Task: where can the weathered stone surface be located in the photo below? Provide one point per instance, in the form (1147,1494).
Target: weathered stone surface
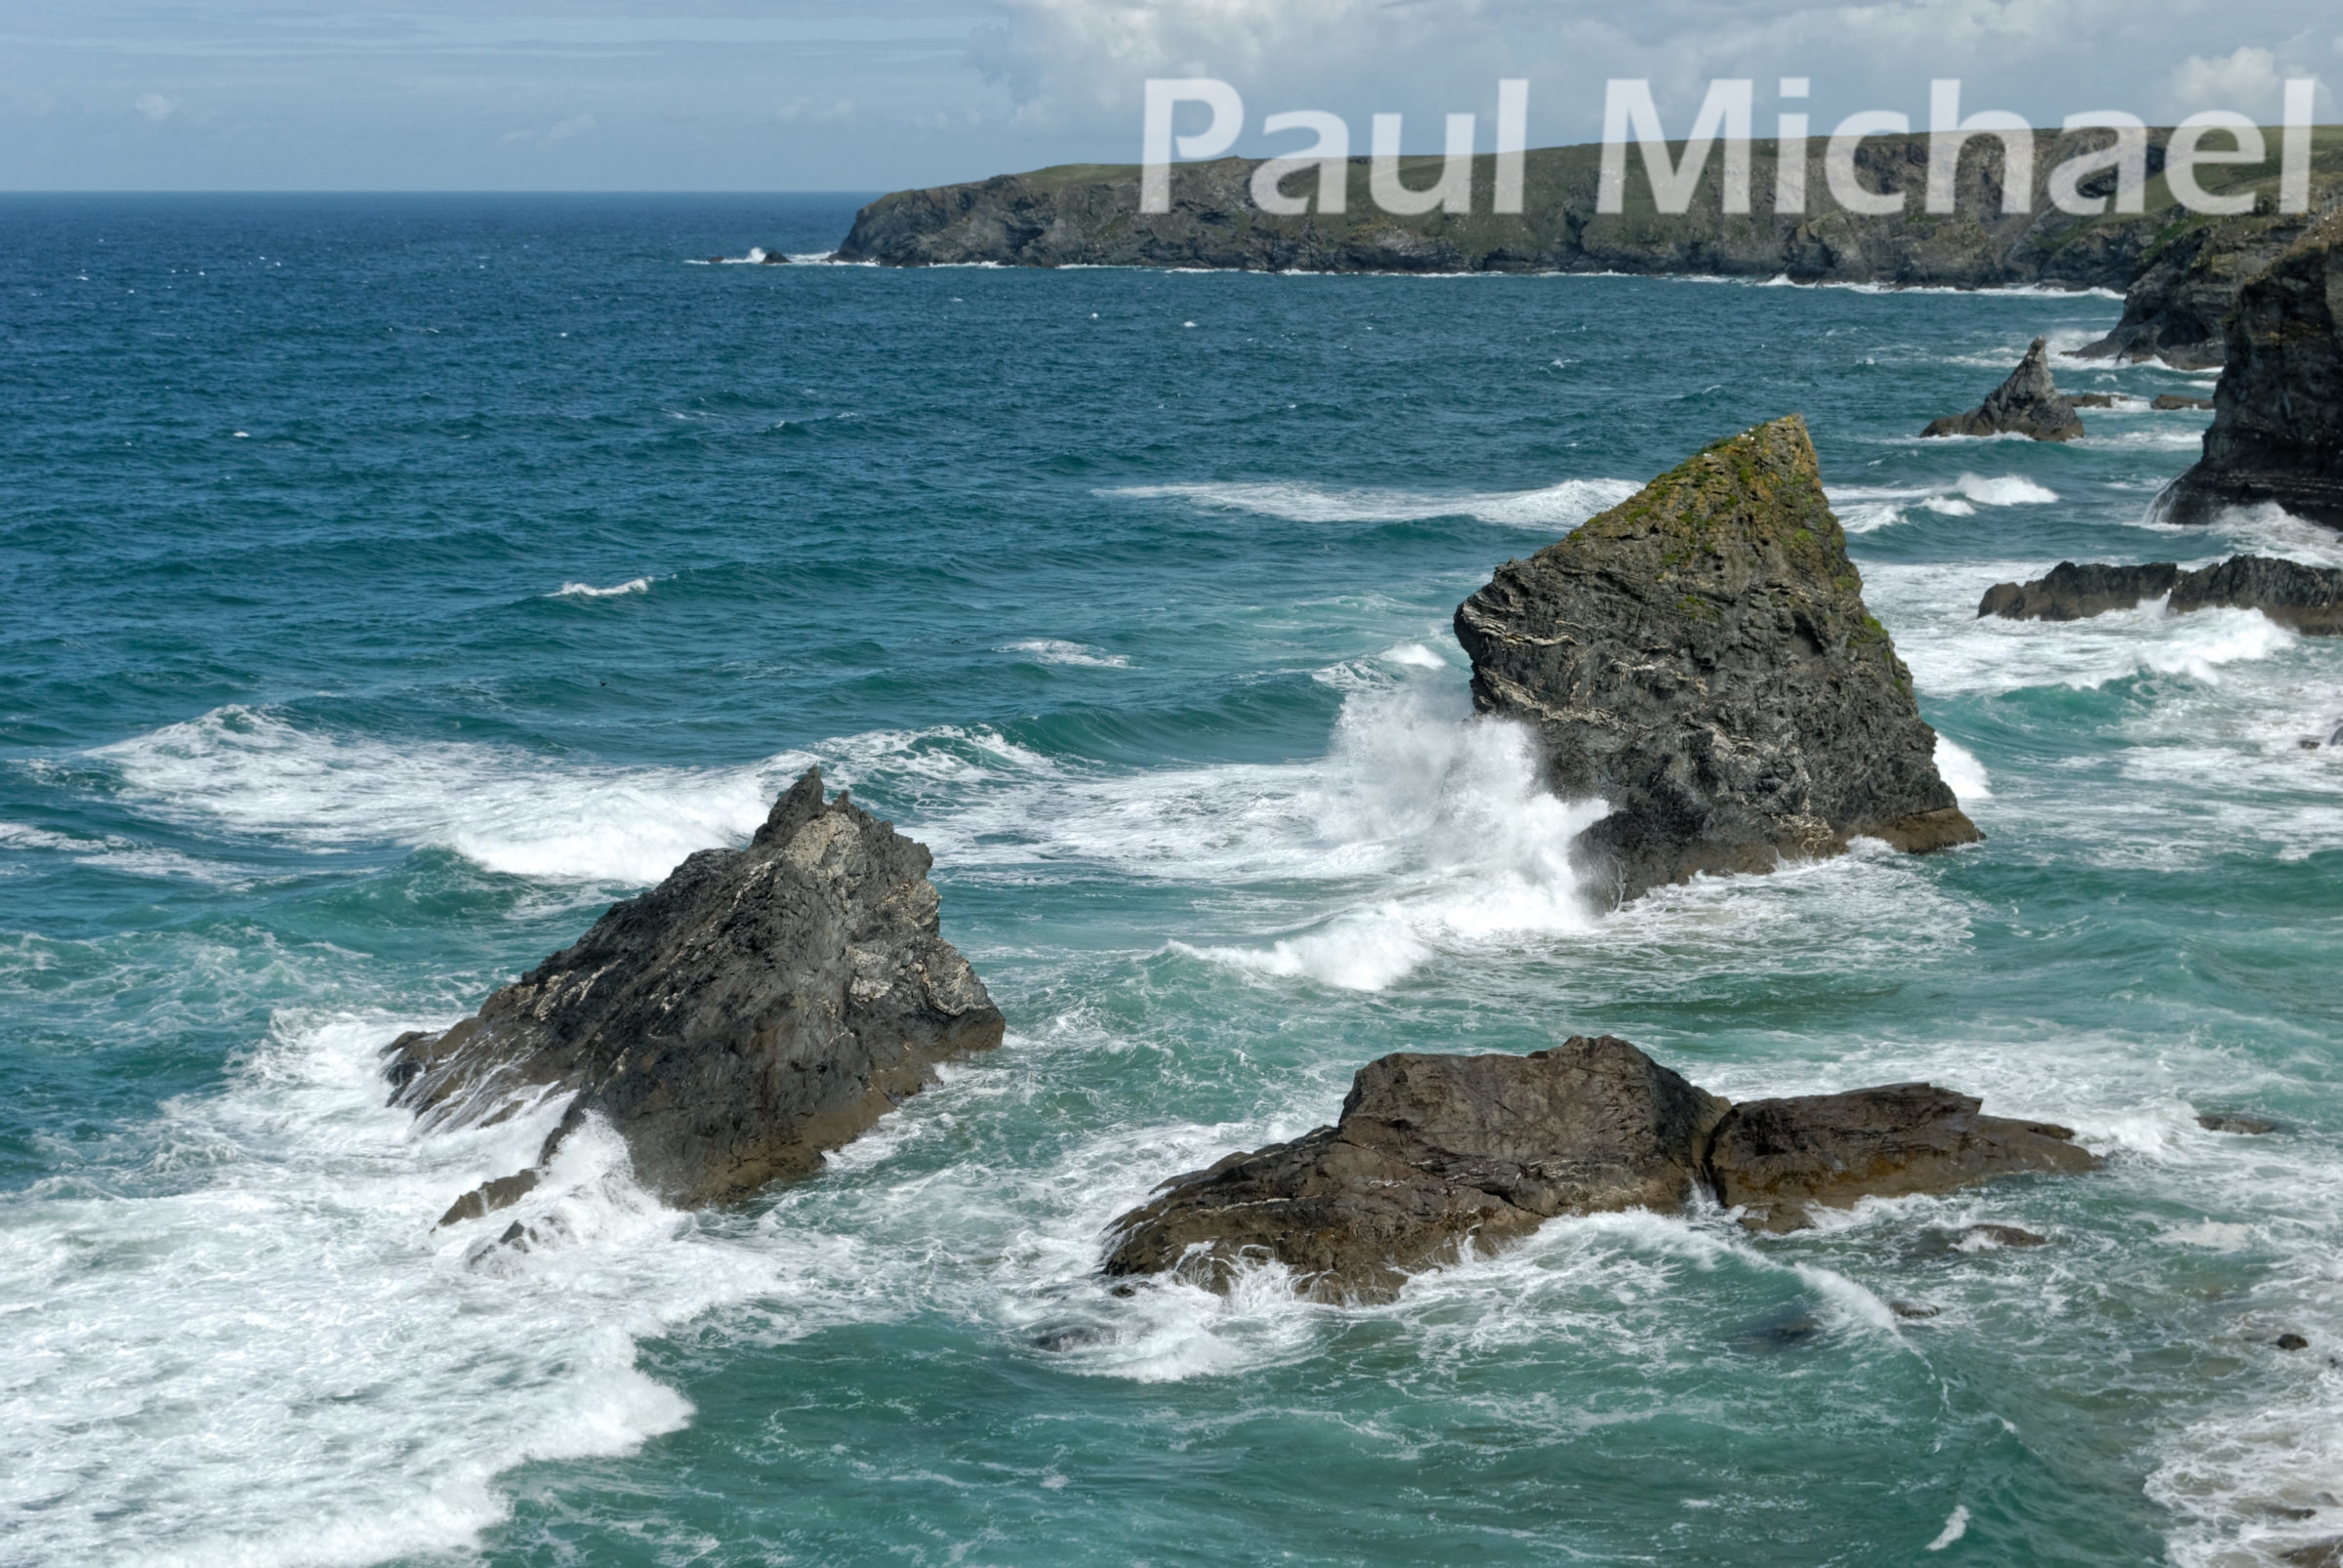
(2306,599)
(1433,1155)
(1775,1157)
(1699,657)
(2276,433)
(2074,593)
(2028,403)
(2177,306)
(758,1007)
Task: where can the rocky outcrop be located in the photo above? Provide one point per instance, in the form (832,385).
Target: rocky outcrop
(1700,658)
(1776,1159)
(2277,413)
(2177,308)
(758,1007)
(1087,214)
(2306,599)
(2028,403)
(1435,1157)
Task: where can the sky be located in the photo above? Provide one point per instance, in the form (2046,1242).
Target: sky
(873,95)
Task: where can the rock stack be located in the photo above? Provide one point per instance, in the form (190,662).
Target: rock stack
(2028,403)
(1699,657)
(2277,413)
(758,1008)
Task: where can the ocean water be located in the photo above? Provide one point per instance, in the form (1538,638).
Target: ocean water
(392,583)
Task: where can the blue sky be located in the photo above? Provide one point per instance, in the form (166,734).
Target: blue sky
(804,95)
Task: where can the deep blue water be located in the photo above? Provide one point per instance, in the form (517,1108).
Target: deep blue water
(393,582)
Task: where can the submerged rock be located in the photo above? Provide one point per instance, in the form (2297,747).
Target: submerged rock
(1699,657)
(1435,1156)
(2277,412)
(758,1008)
(2028,403)
(2307,599)
(2223,1122)
(1775,1157)
(2167,402)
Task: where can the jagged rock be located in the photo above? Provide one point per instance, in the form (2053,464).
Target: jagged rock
(2168,402)
(2276,433)
(1776,1158)
(1434,1156)
(2176,308)
(2074,593)
(1699,657)
(2307,599)
(758,1007)
(2028,403)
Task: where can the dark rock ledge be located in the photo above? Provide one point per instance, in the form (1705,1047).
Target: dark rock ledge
(2028,403)
(2307,599)
(1437,1156)
(760,1007)
(1699,657)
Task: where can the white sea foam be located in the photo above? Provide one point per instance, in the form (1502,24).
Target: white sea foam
(263,1353)
(1863,509)
(1959,768)
(1556,508)
(1049,650)
(639,584)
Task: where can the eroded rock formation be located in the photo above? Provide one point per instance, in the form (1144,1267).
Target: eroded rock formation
(1437,1156)
(2277,413)
(2028,403)
(1699,657)
(758,1007)
(2306,599)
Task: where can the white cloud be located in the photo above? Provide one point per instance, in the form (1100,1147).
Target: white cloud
(2244,79)
(569,130)
(156,107)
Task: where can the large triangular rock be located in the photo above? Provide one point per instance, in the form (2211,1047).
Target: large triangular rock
(1700,658)
(758,1007)
(2278,414)
(2028,403)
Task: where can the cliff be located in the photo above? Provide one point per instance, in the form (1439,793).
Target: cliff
(2188,265)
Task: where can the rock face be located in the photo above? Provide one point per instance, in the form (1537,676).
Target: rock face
(1775,1157)
(1700,658)
(2028,403)
(758,1007)
(2176,310)
(2277,413)
(2306,599)
(1435,1156)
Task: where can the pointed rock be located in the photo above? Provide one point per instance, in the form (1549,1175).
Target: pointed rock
(758,1007)
(1700,658)
(2028,403)
(2277,413)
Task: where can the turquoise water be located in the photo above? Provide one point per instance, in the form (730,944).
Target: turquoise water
(392,583)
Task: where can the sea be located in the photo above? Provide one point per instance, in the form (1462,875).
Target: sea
(391,583)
